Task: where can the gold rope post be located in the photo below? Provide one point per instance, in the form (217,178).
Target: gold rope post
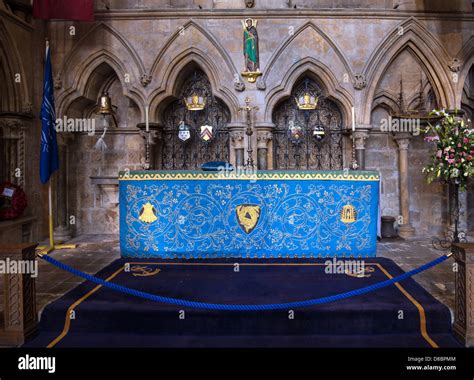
(44,250)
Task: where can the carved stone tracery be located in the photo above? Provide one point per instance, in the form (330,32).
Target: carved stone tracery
(12,141)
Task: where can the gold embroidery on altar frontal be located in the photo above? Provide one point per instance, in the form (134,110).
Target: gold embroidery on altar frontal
(127,176)
(248,217)
(348,214)
(148,214)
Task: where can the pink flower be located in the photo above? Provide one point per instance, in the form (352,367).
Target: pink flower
(469,158)
(439,153)
(450,161)
(466,140)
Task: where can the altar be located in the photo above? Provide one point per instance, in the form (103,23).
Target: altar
(270,214)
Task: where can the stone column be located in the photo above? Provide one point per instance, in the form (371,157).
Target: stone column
(405,229)
(264,137)
(360,137)
(237,144)
(155,136)
(20,318)
(62,230)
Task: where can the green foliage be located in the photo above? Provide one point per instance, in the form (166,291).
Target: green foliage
(453,160)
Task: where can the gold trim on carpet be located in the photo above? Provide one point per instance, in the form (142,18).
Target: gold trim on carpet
(67,323)
(421,310)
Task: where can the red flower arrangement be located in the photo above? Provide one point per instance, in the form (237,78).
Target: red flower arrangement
(13,201)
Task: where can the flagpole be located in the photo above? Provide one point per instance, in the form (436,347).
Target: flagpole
(44,250)
(51,224)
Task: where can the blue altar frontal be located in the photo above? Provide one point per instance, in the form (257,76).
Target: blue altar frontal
(270,214)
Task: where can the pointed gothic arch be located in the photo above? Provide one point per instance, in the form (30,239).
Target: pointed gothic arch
(311,67)
(17,94)
(81,83)
(298,34)
(466,56)
(80,63)
(172,74)
(427,50)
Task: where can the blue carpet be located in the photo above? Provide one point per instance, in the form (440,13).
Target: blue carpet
(110,319)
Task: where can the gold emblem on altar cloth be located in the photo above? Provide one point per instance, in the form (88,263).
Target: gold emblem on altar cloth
(248,217)
(348,214)
(148,214)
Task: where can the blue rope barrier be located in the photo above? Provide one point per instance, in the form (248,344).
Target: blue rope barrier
(213,306)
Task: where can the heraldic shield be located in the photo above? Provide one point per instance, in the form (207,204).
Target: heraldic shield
(248,217)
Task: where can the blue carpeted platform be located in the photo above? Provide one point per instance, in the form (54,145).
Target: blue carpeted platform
(105,318)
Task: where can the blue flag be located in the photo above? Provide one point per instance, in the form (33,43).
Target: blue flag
(49,159)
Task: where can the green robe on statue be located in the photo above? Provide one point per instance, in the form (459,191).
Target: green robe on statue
(251,49)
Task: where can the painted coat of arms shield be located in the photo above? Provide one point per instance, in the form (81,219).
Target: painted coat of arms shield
(295,132)
(206,133)
(248,217)
(184,133)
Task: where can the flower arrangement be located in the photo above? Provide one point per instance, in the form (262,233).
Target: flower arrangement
(453,161)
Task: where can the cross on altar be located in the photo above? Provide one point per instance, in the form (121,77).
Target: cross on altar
(249,132)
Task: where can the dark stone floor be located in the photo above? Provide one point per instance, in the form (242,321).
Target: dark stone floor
(97,251)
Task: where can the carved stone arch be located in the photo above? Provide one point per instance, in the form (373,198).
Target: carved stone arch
(426,49)
(466,56)
(171,75)
(176,153)
(312,139)
(187,28)
(309,66)
(270,71)
(17,93)
(81,83)
(128,53)
(386,100)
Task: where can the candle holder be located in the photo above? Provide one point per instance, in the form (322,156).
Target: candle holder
(354,164)
(249,132)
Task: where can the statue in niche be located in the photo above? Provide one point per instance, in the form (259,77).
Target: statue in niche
(251,52)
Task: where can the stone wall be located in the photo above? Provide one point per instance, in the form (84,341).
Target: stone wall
(20,93)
